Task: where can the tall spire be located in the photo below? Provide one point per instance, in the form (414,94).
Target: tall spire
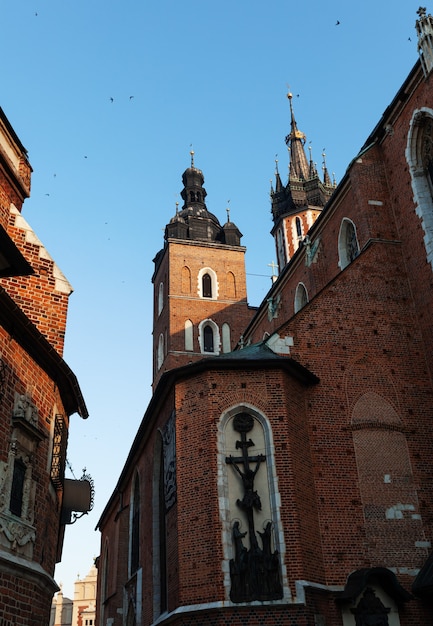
(295,141)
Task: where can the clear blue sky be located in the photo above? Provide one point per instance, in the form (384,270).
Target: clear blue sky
(211,74)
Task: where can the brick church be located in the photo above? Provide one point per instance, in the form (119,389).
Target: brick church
(282,473)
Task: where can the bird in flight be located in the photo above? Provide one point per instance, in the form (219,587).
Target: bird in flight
(338,22)
(111,99)
(130,97)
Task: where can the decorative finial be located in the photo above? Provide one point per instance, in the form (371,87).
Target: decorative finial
(276,164)
(422,11)
(177,208)
(192,157)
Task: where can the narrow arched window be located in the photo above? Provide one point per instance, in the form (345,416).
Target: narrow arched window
(206,286)
(160,297)
(208,339)
(301,297)
(189,345)
(226,337)
(135,528)
(348,247)
(160,350)
(298,227)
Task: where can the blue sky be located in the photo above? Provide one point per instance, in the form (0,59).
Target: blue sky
(108,96)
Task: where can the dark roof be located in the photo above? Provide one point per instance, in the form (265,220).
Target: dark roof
(423,583)
(385,578)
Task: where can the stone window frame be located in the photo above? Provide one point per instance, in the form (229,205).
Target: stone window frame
(347,251)
(223,491)
(214,283)
(216,336)
(422,184)
(301,297)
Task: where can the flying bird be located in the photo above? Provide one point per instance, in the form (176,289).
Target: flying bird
(338,22)
(111,99)
(130,97)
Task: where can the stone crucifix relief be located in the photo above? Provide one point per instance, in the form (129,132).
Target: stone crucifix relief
(254,571)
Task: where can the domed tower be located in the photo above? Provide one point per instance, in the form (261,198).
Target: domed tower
(200,299)
(296,206)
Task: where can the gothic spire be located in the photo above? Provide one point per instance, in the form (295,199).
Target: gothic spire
(295,141)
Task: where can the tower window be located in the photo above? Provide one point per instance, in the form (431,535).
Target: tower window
(298,227)
(208,339)
(207,286)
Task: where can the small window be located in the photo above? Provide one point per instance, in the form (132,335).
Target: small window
(208,339)
(207,286)
(160,350)
(298,227)
(348,247)
(17,490)
(301,297)
(160,298)
(135,528)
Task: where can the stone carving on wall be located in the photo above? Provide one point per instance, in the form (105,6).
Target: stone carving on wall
(370,610)
(254,571)
(169,452)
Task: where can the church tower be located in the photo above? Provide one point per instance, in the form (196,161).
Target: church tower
(200,298)
(296,206)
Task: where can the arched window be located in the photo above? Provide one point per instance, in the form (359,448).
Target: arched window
(301,297)
(281,249)
(134,543)
(186,279)
(159,532)
(226,337)
(231,285)
(419,155)
(206,286)
(208,340)
(160,350)
(348,246)
(189,343)
(209,337)
(207,283)
(298,227)
(160,298)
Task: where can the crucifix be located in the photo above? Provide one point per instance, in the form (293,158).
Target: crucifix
(243,423)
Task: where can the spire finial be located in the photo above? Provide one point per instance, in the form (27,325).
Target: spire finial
(177,208)
(228,211)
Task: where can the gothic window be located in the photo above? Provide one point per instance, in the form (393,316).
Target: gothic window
(17,489)
(160,350)
(135,528)
(207,286)
(208,340)
(231,285)
(301,297)
(209,337)
(189,345)
(186,279)
(298,228)
(348,246)
(419,155)
(207,283)
(281,251)
(160,298)
(226,337)
(159,532)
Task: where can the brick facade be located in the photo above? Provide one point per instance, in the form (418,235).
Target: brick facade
(290,481)
(38,394)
